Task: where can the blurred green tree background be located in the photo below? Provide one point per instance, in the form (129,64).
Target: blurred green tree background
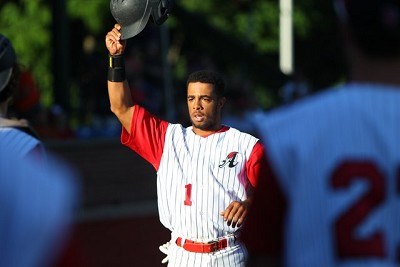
(241,35)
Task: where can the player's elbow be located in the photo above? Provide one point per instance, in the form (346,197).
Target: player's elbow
(119,111)
(124,115)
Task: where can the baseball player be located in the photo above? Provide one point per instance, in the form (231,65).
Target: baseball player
(205,172)
(333,194)
(16,134)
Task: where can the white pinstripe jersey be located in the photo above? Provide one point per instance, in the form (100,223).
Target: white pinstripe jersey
(19,142)
(337,160)
(199,177)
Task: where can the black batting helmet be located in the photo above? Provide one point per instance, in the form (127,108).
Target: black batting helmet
(133,15)
(7,61)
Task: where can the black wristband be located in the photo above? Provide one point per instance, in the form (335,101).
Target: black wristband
(116,69)
(116,75)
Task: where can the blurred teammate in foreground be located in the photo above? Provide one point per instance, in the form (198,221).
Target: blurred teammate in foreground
(334,198)
(19,137)
(37,206)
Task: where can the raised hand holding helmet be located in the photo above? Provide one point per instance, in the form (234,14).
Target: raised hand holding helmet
(133,15)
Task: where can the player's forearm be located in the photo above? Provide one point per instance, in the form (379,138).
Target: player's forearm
(121,102)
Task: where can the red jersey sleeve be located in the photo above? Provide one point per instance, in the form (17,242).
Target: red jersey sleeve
(255,166)
(147,136)
(263,229)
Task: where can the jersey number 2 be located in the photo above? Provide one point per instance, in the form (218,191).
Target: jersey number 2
(348,245)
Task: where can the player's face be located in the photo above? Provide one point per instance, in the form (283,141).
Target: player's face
(204,107)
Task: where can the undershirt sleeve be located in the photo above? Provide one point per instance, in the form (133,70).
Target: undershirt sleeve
(147,136)
(255,166)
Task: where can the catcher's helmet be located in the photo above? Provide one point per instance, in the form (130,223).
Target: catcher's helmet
(133,15)
(7,61)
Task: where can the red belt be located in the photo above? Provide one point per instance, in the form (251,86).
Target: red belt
(199,247)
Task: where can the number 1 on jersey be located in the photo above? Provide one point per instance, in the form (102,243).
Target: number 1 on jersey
(188,195)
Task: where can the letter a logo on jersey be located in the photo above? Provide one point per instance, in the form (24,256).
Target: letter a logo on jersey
(231,159)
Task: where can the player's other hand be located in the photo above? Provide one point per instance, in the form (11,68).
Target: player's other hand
(114,44)
(236,212)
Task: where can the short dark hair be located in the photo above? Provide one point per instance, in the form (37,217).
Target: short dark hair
(375,25)
(211,77)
